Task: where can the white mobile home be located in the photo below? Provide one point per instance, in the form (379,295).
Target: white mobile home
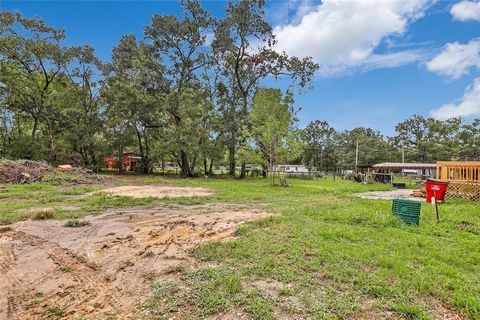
(291,168)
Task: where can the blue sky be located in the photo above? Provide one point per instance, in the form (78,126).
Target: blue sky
(381,60)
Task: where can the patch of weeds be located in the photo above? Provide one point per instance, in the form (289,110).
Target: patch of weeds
(285,291)
(212,251)
(77,191)
(178,268)
(148,254)
(359,220)
(43,215)
(164,301)
(259,307)
(379,291)
(111,315)
(53,312)
(409,311)
(150,276)
(36,299)
(75,223)
(5,221)
(329,302)
(214,290)
(5,229)
(66,269)
(125,264)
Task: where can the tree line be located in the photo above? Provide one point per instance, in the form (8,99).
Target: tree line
(190,91)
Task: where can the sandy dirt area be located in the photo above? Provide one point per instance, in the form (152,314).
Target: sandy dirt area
(158,191)
(103,267)
(389,195)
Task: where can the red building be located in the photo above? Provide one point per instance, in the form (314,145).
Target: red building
(130,161)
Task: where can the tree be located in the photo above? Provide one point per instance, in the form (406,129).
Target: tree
(273,120)
(180,42)
(244,46)
(318,136)
(372,147)
(130,91)
(428,139)
(468,139)
(32,57)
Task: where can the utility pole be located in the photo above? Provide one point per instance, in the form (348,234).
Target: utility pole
(403,154)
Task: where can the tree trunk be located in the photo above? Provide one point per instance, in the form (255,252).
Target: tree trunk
(210,170)
(34,129)
(121,169)
(231,156)
(243,171)
(193,164)
(184,165)
(93,158)
(51,143)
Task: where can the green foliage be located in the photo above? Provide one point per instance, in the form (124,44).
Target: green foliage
(43,214)
(273,120)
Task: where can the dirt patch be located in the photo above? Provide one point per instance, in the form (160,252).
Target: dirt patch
(158,191)
(389,195)
(106,266)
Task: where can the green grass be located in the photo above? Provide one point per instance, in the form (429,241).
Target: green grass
(325,254)
(58,199)
(333,254)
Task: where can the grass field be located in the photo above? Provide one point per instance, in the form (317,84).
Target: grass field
(325,254)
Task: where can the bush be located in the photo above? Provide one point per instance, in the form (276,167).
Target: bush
(43,215)
(75,223)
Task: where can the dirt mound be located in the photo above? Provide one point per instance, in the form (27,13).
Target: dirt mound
(23,171)
(107,266)
(158,191)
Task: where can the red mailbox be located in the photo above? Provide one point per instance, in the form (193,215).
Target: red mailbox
(436,189)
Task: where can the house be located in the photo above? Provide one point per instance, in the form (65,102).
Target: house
(130,161)
(423,169)
(291,168)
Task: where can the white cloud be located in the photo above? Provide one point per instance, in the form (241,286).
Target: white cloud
(375,61)
(343,34)
(466,10)
(456,59)
(468,106)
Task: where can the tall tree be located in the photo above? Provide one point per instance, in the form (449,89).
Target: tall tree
(318,136)
(181,43)
(32,57)
(427,139)
(372,147)
(273,118)
(244,46)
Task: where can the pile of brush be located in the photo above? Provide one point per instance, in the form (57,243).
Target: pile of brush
(23,171)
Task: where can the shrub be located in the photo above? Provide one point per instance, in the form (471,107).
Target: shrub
(75,223)
(43,215)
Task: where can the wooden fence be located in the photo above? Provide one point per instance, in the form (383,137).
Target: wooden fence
(466,190)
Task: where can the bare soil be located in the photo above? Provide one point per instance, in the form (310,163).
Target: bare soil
(389,195)
(107,266)
(158,191)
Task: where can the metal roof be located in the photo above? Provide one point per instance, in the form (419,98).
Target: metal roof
(400,165)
